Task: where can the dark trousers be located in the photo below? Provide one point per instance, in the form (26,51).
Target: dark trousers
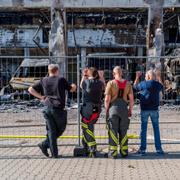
(56,120)
(118,124)
(88,140)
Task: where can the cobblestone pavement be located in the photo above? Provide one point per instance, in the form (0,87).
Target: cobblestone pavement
(22,163)
(30,164)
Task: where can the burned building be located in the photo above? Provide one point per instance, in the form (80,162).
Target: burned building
(128,28)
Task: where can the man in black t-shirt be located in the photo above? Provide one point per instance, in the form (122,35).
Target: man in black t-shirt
(51,91)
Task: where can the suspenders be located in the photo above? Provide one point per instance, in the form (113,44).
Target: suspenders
(121,88)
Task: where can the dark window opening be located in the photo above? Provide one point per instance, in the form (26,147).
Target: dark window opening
(26,72)
(174,35)
(46,35)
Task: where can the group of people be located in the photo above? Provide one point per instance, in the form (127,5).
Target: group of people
(118,102)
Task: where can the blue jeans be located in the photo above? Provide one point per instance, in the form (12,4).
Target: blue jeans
(154,115)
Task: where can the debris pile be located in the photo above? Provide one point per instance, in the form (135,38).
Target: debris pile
(20,106)
(170,107)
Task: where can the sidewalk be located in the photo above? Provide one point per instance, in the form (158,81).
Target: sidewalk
(30,164)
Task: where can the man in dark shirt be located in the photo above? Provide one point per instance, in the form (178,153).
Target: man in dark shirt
(149,102)
(51,91)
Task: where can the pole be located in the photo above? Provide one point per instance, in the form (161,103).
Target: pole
(148,34)
(78,100)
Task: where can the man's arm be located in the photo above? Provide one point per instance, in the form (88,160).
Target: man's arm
(138,75)
(35,93)
(82,80)
(69,87)
(73,88)
(84,77)
(159,79)
(107,101)
(158,76)
(131,102)
(102,79)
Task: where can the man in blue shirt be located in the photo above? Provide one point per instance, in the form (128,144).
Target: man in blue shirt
(149,102)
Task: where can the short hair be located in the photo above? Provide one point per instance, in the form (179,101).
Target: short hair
(94,72)
(53,68)
(117,69)
(152,74)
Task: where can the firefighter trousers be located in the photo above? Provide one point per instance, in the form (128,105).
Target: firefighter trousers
(118,124)
(88,140)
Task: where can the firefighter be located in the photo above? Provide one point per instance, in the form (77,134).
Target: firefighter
(92,88)
(117,93)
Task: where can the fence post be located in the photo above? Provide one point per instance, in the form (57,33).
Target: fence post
(78,100)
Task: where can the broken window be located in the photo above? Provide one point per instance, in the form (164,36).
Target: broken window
(27,72)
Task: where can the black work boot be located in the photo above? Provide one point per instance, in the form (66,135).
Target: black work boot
(111,155)
(92,154)
(85,148)
(124,154)
(43,149)
(55,156)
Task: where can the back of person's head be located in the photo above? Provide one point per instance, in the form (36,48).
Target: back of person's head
(93,72)
(117,70)
(150,75)
(53,69)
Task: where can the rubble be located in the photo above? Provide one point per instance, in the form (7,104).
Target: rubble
(170,107)
(20,106)
(16,106)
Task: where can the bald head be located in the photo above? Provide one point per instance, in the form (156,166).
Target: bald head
(150,75)
(53,69)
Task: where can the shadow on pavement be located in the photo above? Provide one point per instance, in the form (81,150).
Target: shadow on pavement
(153,155)
(132,156)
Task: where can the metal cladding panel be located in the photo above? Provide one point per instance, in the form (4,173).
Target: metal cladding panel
(112,3)
(84,3)
(100,3)
(25,3)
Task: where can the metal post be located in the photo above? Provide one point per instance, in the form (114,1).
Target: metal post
(148,39)
(78,100)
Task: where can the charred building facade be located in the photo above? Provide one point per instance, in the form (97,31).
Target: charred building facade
(24,27)
(132,28)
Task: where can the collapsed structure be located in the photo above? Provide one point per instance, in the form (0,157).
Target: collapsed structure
(118,27)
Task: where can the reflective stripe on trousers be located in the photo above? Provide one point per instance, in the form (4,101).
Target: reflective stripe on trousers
(114,140)
(88,136)
(118,124)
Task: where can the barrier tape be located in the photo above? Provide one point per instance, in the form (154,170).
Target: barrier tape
(130,136)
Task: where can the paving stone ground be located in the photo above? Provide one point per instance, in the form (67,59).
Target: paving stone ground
(28,163)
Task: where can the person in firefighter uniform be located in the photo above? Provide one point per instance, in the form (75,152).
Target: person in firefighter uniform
(118,92)
(92,88)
